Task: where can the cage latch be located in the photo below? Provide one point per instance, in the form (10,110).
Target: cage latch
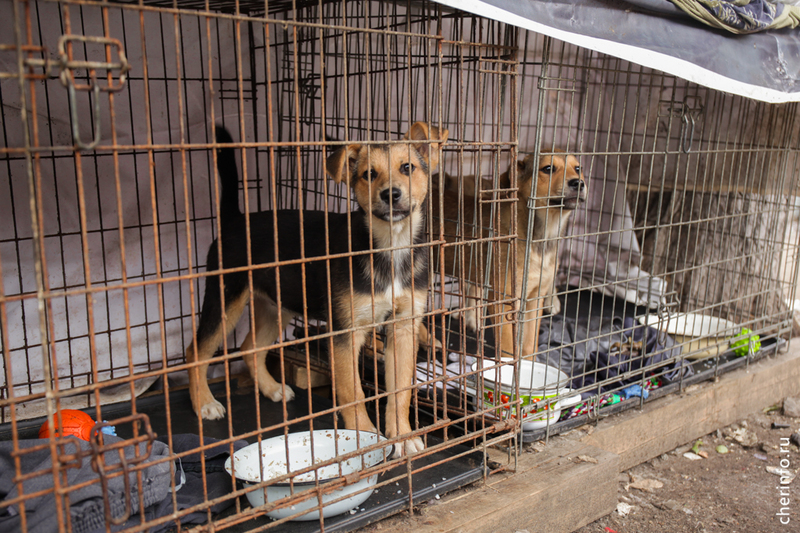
(692,109)
(665,312)
(92,84)
(107,471)
(689,112)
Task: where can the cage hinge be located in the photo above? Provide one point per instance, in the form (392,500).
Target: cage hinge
(30,62)
(116,69)
(106,471)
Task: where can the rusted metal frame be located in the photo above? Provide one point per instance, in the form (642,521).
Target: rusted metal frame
(207,146)
(605,84)
(481,256)
(97,453)
(758,282)
(772,216)
(273,189)
(795,246)
(11,396)
(366,74)
(523,291)
(10,384)
(502,272)
(663,309)
(349,202)
(189,250)
(12,401)
(211,14)
(326,228)
(249,263)
(468,254)
(711,222)
(27,151)
(118,193)
(642,94)
(726,219)
(300,205)
(45,306)
(216,199)
(582,119)
(31,63)
(785,206)
(592,124)
(159,148)
(225,345)
(622,121)
(750,112)
(686,172)
(439,51)
(428,86)
(575,93)
(437,233)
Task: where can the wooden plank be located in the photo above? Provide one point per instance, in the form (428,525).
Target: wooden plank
(638,436)
(552,491)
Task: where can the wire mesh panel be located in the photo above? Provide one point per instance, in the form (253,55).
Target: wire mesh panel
(682,261)
(129,259)
(410,238)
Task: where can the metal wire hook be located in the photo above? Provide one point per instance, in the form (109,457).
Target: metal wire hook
(686,118)
(73,110)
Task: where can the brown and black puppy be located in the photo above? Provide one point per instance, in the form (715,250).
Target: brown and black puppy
(372,277)
(556,187)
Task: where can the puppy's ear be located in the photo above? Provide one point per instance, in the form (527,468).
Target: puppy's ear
(341,163)
(421,131)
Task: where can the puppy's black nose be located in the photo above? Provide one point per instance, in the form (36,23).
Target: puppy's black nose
(576,184)
(392,195)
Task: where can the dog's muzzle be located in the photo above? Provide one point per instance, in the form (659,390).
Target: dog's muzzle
(574,194)
(392,207)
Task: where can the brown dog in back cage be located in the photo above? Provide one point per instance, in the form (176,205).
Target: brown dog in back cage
(556,187)
(365,271)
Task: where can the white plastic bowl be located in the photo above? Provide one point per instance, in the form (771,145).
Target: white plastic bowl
(327,444)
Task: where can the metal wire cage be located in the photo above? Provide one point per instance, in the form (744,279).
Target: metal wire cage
(680,232)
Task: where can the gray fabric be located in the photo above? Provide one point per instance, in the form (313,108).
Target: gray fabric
(86,504)
(764,65)
(602,230)
(195,489)
(741,16)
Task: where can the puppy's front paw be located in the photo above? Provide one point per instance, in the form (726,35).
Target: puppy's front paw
(555,305)
(213,410)
(408,447)
(281,391)
(471,320)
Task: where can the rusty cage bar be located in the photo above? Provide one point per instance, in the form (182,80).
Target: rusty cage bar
(592,234)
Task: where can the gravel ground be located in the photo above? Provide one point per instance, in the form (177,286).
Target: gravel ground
(736,492)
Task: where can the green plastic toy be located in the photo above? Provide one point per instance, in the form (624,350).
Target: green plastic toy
(744,342)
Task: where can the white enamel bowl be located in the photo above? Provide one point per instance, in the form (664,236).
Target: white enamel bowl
(538,384)
(303,452)
(701,335)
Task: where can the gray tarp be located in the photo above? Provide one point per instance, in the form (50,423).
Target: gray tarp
(764,66)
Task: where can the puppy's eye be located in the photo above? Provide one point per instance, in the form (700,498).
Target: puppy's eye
(547,169)
(406,169)
(578,169)
(370,175)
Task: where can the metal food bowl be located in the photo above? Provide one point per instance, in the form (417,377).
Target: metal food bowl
(300,451)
